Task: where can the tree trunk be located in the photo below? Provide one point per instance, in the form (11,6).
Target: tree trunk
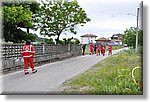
(28,30)
(57,40)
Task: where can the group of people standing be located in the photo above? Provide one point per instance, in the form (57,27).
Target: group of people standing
(98,49)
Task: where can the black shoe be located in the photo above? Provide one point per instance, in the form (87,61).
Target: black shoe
(26,73)
(34,71)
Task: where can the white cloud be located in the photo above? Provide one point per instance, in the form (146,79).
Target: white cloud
(108,16)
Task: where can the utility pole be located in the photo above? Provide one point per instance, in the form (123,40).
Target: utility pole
(136,45)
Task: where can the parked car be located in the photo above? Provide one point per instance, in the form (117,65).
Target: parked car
(125,45)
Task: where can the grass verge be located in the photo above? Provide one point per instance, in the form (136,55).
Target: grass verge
(112,76)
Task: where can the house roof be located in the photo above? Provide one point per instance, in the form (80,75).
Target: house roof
(102,39)
(117,35)
(88,35)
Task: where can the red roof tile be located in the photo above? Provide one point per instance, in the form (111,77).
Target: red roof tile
(89,35)
(102,39)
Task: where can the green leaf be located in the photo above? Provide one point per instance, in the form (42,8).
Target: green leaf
(61,16)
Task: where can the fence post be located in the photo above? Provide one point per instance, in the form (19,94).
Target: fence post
(69,48)
(43,45)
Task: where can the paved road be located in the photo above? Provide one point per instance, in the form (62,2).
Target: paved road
(49,76)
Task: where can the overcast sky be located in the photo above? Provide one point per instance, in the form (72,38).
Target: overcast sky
(108,17)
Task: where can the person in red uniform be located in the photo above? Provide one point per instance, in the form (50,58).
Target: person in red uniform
(98,50)
(110,50)
(91,49)
(103,50)
(28,56)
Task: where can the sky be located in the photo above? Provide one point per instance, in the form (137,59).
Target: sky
(108,17)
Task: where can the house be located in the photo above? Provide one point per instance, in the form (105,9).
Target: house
(103,41)
(117,39)
(88,38)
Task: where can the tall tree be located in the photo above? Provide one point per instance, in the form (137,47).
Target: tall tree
(13,16)
(18,14)
(58,16)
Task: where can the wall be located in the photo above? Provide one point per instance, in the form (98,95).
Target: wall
(87,40)
(11,53)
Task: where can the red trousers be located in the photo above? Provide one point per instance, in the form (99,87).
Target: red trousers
(98,52)
(91,51)
(27,61)
(103,52)
(110,52)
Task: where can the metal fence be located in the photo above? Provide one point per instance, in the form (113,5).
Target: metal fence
(11,53)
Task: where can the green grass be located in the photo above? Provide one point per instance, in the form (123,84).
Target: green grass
(116,47)
(113,75)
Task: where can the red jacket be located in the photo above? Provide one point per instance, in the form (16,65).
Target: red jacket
(28,51)
(110,47)
(91,46)
(98,47)
(103,47)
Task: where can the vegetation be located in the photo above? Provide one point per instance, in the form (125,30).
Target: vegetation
(71,41)
(40,40)
(52,18)
(18,14)
(110,76)
(60,16)
(64,41)
(130,37)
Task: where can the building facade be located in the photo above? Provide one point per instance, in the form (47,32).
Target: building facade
(117,39)
(103,41)
(88,38)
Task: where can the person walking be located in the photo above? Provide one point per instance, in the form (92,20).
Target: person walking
(28,52)
(110,50)
(103,50)
(98,50)
(95,47)
(91,48)
(83,49)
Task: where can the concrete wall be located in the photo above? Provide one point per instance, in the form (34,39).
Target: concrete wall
(11,54)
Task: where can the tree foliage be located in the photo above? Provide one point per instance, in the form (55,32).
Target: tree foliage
(130,37)
(15,15)
(58,16)
(71,41)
